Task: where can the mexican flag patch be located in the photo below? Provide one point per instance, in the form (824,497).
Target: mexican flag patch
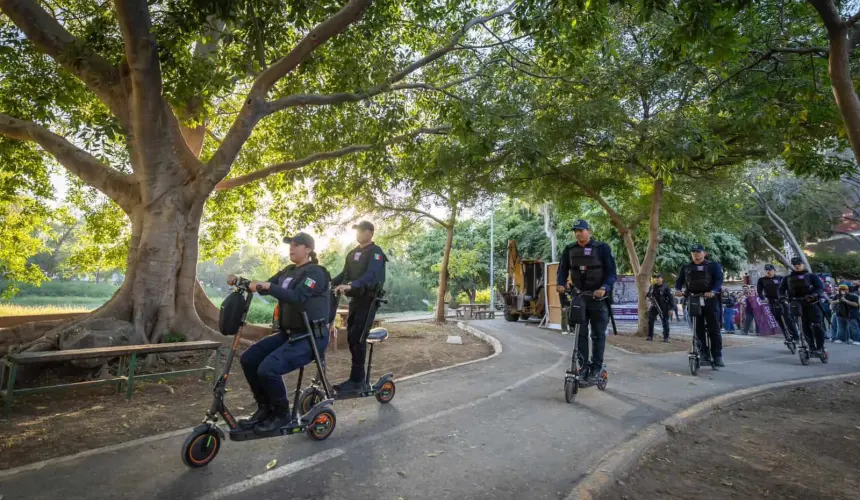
(376,256)
(310,283)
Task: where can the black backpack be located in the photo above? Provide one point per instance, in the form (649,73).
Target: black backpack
(232,310)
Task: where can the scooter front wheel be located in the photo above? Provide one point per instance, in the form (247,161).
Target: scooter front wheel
(386,392)
(323,425)
(201,447)
(791,346)
(804,357)
(694,365)
(824,356)
(570,390)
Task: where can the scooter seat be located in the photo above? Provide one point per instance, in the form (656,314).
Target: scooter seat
(377,335)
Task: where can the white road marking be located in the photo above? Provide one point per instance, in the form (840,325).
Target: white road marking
(275,474)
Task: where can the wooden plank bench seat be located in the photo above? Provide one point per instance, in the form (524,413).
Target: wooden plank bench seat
(485,314)
(125,374)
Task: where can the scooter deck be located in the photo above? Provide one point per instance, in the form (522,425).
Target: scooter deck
(250,434)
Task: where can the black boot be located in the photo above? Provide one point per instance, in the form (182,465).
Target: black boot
(649,338)
(280,417)
(263,412)
(350,386)
(719,362)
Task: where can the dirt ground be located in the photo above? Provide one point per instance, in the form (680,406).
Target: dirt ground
(639,345)
(48,425)
(797,443)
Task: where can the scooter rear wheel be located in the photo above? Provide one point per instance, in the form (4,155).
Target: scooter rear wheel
(201,447)
(792,347)
(386,392)
(309,399)
(570,390)
(603,380)
(322,426)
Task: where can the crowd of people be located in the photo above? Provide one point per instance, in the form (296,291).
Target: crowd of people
(840,305)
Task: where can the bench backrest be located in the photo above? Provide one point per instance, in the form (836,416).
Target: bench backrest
(111,352)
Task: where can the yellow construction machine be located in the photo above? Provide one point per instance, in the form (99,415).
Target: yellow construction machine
(523,295)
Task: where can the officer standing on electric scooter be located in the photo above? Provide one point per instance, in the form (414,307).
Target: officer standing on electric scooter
(363,273)
(702,276)
(661,301)
(805,287)
(303,286)
(591,268)
(768,288)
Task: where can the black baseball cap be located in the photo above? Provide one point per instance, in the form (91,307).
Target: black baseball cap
(697,247)
(658,275)
(364,225)
(769,267)
(580,224)
(301,239)
(796,260)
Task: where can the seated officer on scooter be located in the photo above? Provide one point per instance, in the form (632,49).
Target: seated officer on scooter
(704,277)
(363,272)
(768,288)
(301,286)
(806,288)
(591,268)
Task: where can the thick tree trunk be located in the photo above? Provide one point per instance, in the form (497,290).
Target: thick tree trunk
(646,269)
(443,276)
(843,86)
(550,230)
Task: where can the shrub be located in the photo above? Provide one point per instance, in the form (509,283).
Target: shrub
(840,266)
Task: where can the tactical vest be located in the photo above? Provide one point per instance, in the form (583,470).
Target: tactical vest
(698,276)
(357,261)
(770,287)
(798,285)
(317,306)
(586,268)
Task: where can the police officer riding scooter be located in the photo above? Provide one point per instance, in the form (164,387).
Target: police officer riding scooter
(591,268)
(363,275)
(703,279)
(767,288)
(301,287)
(803,289)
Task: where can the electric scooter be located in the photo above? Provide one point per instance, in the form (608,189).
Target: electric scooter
(383,389)
(803,350)
(789,342)
(573,377)
(318,421)
(696,304)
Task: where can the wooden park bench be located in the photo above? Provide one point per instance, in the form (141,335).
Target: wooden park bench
(485,314)
(127,355)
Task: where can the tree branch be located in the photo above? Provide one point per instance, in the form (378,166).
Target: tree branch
(254,106)
(779,255)
(75,56)
(327,155)
(829,13)
(117,186)
(387,84)
(418,211)
(344,97)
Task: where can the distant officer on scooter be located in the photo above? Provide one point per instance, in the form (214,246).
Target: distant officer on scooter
(768,288)
(806,288)
(363,272)
(702,276)
(303,286)
(661,302)
(591,268)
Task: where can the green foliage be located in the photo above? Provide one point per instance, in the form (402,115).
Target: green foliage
(481,297)
(63,293)
(845,266)
(725,248)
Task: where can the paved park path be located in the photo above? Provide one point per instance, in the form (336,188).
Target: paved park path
(496,429)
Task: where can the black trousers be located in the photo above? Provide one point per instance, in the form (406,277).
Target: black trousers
(653,316)
(812,320)
(708,324)
(782,315)
(361,315)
